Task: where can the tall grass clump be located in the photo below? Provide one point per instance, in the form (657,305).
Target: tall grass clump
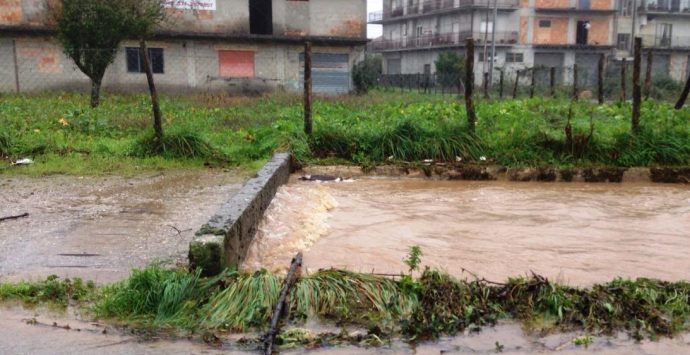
(154,294)
(175,144)
(5,144)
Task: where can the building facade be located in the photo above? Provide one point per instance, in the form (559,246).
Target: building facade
(532,33)
(204,45)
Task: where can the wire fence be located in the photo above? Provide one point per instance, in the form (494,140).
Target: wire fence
(613,82)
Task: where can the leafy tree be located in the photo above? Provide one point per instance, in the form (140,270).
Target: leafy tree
(90,31)
(450,69)
(365,74)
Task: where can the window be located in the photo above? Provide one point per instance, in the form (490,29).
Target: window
(236,64)
(486,27)
(514,57)
(623,42)
(663,34)
(544,23)
(481,56)
(625,7)
(135,61)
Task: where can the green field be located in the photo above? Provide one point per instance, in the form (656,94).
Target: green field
(64,135)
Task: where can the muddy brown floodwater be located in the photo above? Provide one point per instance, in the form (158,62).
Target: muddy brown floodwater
(577,234)
(98,228)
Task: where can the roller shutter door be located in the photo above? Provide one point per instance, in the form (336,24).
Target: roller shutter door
(330,72)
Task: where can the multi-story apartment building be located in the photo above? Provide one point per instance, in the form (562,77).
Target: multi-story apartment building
(551,33)
(203,45)
(664,26)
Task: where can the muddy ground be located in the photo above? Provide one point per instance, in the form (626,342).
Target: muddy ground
(99,228)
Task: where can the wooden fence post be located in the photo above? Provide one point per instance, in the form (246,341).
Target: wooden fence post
(532,84)
(500,84)
(517,80)
(600,78)
(637,90)
(648,75)
(552,81)
(307,89)
(575,90)
(623,94)
(485,82)
(469,84)
(157,119)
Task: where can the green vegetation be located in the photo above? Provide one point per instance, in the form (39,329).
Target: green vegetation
(433,305)
(51,290)
(383,127)
(365,74)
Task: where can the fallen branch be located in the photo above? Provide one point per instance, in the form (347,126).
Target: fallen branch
(290,279)
(2,219)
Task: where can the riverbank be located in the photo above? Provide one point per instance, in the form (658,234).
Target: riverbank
(63,135)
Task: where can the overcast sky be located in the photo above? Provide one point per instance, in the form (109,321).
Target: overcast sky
(374,31)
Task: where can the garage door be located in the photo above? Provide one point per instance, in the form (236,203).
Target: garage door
(330,72)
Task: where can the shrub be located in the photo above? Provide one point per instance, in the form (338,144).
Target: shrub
(365,74)
(450,68)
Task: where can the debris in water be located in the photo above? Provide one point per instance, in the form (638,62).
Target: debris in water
(320,178)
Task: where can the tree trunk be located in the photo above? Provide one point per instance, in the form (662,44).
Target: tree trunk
(637,90)
(95,93)
(157,119)
(469,84)
(307,89)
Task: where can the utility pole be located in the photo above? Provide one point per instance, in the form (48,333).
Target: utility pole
(486,36)
(632,30)
(493,44)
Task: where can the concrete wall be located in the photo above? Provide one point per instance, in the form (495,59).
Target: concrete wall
(315,17)
(223,242)
(189,65)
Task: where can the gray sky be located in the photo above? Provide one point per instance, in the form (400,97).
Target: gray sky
(374,31)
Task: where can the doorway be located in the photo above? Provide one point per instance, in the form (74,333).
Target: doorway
(261,17)
(582,32)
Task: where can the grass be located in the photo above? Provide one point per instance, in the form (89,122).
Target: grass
(52,290)
(63,135)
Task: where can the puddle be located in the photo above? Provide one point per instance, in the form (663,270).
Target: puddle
(98,228)
(578,234)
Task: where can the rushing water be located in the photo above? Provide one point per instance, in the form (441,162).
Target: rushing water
(573,233)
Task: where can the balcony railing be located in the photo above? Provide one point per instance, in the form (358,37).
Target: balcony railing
(667,6)
(442,40)
(660,41)
(435,6)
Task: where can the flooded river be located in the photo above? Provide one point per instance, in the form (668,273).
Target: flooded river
(98,228)
(573,233)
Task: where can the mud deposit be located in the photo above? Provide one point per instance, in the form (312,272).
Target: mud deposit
(577,234)
(100,228)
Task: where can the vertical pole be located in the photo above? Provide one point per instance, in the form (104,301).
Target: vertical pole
(486,85)
(648,75)
(469,84)
(683,95)
(600,78)
(532,84)
(307,88)
(575,91)
(623,94)
(157,119)
(500,84)
(552,81)
(637,90)
(517,80)
(16,66)
(493,44)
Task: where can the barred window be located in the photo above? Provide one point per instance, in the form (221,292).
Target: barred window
(135,61)
(514,57)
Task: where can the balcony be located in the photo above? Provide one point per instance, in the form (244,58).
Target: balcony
(662,42)
(427,8)
(441,40)
(666,8)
